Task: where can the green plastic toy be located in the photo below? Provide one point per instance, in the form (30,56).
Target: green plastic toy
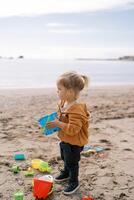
(44,167)
(29,173)
(18,196)
(15,169)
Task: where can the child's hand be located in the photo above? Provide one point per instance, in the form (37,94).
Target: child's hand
(52,124)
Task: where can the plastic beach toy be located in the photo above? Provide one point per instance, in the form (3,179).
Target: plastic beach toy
(88,152)
(87,198)
(41,165)
(15,169)
(29,172)
(44,167)
(19,157)
(43,186)
(18,196)
(47,118)
(36,163)
(87,147)
(47,178)
(99,149)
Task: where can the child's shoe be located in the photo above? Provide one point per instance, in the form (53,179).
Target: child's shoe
(71,188)
(62,177)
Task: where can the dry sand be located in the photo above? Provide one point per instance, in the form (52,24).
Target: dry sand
(107,176)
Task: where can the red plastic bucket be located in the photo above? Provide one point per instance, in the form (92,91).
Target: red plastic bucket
(87,198)
(41,188)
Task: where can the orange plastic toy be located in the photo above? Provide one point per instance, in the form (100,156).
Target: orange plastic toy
(42,188)
(87,198)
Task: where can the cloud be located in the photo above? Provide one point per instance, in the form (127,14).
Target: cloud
(37,7)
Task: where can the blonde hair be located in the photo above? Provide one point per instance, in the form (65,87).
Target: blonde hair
(74,81)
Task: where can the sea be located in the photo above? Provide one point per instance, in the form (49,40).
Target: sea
(40,73)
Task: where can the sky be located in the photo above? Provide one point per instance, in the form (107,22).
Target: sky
(66,28)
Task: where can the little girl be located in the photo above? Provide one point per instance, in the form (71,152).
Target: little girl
(73,121)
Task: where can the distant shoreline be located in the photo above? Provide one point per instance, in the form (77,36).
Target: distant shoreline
(97,59)
(123,58)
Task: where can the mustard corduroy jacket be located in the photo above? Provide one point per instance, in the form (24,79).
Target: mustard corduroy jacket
(76,118)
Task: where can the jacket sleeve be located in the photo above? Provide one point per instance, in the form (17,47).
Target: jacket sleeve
(74,125)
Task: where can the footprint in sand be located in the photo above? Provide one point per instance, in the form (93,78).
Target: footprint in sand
(122,196)
(127,149)
(124,141)
(1,195)
(54,160)
(105,141)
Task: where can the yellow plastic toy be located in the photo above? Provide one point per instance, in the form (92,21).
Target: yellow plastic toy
(36,163)
(41,165)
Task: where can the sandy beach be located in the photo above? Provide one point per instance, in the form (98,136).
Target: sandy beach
(104,176)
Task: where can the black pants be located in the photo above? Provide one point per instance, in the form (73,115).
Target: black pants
(70,154)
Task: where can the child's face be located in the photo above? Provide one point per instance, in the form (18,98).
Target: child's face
(62,92)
